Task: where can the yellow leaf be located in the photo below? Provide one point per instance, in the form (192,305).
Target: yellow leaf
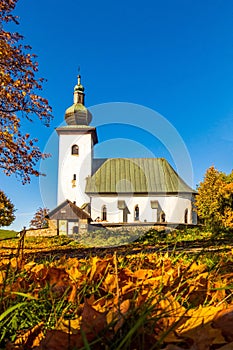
(110,282)
(2,277)
(29,266)
(224,321)
(198,326)
(143,274)
(74,273)
(69,326)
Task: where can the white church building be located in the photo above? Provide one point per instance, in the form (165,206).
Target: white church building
(113,191)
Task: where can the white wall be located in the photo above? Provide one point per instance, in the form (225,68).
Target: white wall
(71,164)
(173,206)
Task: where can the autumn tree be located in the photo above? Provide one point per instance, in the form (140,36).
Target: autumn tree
(19,99)
(39,220)
(6,210)
(214,201)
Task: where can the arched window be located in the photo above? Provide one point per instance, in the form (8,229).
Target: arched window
(162,217)
(136,213)
(104,213)
(186,216)
(75,150)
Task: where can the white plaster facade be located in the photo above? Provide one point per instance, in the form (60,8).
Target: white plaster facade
(74,169)
(177,208)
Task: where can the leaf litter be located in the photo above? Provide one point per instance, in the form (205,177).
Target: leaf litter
(121,302)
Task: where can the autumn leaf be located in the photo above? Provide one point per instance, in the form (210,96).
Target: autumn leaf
(228,346)
(6,209)
(98,266)
(39,219)
(59,340)
(198,327)
(31,338)
(224,321)
(215,198)
(92,322)
(18,97)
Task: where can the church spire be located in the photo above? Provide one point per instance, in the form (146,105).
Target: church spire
(79,92)
(78,114)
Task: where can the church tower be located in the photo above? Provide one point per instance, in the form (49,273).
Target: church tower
(76,141)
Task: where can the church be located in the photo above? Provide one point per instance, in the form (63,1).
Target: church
(114,191)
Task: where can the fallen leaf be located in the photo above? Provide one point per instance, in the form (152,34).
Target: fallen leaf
(92,321)
(110,282)
(74,273)
(143,274)
(69,326)
(59,340)
(224,321)
(228,346)
(30,338)
(198,289)
(198,327)
(98,266)
(2,276)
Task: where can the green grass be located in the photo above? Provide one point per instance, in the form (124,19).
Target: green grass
(125,236)
(7,234)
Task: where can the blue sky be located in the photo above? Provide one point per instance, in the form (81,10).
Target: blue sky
(172,56)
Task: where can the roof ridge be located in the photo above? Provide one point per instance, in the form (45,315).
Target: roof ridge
(135,158)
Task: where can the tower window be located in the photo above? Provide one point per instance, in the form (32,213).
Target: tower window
(136,213)
(75,150)
(104,213)
(74,181)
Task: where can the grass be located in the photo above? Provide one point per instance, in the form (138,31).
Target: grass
(7,234)
(126,236)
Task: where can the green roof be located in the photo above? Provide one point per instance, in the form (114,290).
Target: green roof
(136,175)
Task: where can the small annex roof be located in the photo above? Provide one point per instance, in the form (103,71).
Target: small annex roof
(74,211)
(136,175)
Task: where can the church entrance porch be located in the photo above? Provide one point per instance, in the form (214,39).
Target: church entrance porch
(71,220)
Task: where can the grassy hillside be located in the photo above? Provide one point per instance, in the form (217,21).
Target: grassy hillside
(5,234)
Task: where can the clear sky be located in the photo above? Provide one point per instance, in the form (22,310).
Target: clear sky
(172,56)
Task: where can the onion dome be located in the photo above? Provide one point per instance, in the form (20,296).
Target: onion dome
(78,114)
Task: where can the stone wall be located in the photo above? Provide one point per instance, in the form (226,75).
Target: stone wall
(43,232)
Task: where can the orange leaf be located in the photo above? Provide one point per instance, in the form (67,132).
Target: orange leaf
(31,338)
(198,327)
(92,321)
(143,274)
(224,321)
(110,282)
(98,266)
(59,340)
